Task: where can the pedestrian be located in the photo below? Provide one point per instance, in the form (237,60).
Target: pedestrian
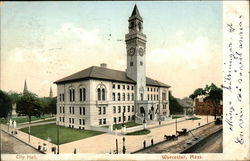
(152,142)
(39,146)
(75,151)
(144,144)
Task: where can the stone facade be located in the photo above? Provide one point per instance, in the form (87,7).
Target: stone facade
(98,96)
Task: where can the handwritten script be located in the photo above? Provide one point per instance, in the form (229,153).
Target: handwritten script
(233,78)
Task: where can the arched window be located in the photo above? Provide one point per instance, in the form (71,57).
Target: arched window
(71,94)
(101,92)
(82,93)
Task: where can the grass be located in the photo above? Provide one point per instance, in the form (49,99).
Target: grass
(194,118)
(141,132)
(54,119)
(127,124)
(176,117)
(23,119)
(65,134)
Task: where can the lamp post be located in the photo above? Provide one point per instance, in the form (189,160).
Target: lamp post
(123,148)
(57,137)
(116,142)
(29,132)
(176,126)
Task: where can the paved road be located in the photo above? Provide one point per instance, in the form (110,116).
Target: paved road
(213,146)
(11,145)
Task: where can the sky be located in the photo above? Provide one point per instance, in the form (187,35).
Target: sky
(42,42)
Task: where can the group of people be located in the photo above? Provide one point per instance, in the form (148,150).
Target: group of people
(43,148)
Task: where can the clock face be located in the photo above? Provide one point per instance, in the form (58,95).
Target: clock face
(131,51)
(141,51)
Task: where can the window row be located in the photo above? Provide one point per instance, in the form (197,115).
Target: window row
(153,89)
(122,96)
(72,110)
(61,119)
(118,109)
(102,121)
(119,86)
(153,97)
(164,106)
(101,110)
(121,119)
(61,97)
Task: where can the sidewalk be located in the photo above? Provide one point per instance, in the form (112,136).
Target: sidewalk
(105,143)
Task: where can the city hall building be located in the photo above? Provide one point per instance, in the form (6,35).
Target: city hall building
(99,96)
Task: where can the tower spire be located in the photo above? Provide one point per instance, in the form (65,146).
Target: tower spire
(25,89)
(50,92)
(135,11)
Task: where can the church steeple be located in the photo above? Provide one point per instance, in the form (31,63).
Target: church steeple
(136,12)
(25,89)
(50,93)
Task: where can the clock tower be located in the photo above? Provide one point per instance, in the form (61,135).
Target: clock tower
(136,47)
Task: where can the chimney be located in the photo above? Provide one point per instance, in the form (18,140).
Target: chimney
(103,65)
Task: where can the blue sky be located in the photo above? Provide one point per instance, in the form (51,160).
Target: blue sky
(54,39)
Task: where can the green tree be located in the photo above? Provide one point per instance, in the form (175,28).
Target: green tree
(174,106)
(29,105)
(52,106)
(212,93)
(5,104)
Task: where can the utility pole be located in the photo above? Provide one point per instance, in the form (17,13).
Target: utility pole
(176,126)
(29,132)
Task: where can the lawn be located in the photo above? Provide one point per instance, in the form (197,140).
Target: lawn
(127,124)
(141,132)
(176,117)
(65,134)
(23,119)
(194,118)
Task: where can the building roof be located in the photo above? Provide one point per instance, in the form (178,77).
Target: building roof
(101,73)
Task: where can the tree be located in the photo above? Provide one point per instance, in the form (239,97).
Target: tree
(5,104)
(29,105)
(174,106)
(52,105)
(212,93)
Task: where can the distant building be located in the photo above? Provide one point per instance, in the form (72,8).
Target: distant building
(187,104)
(99,96)
(206,107)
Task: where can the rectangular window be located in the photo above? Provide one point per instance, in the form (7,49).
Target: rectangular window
(60,119)
(70,110)
(133,117)
(141,96)
(114,109)
(80,110)
(100,121)
(63,119)
(124,108)
(80,121)
(123,96)
(69,120)
(132,87)
(148,89)
(119,109)
(60,97)
(128,96)
(128,87)
(164,96)
(154,96)
(119,97)
(70,95)
(113,96)
(123,86)
(128,118)
(63,109)
(128,108)
(132,96)
(104,110)
(118,86)
(60,109)
(131,63)
(124,118)
(63,96)
(114,119)
(104,121)
(73,120)
(133,109)
(119,119)
(148,96)
(80,94)
(73,95)
(83,121)
(113,86)
(73,110)
(157,96)
(151,97)
(100,110)
(83,110)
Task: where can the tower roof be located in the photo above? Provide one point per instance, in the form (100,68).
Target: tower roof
(135,14)
(50,92)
